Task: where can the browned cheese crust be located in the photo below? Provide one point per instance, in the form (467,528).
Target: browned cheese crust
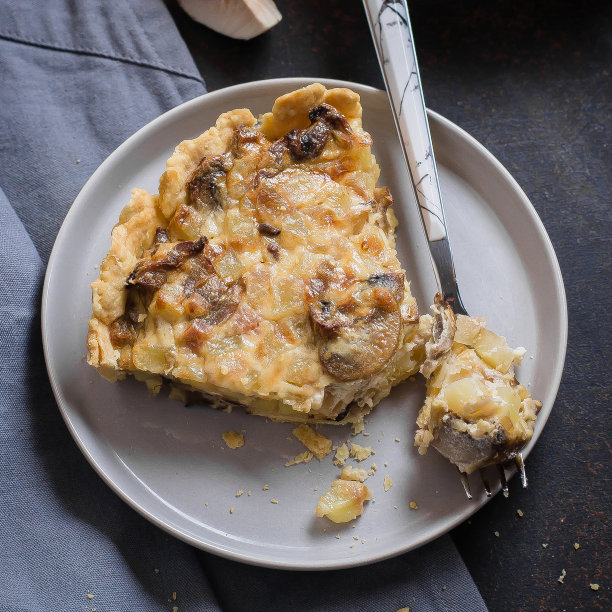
(265,272)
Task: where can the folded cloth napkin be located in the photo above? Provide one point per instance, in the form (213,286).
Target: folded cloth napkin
(77,79)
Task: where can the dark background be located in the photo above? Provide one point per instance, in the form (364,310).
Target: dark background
(531,81)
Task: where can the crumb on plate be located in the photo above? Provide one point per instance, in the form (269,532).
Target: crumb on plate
(342,454)
(561,578)
(351,473)
(233,440)
(361,452)
(304,457)
(318,445)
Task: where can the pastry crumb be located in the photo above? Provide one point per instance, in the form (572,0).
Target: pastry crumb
(265,487)
(594,586)
(397,440)
(318,445)
(231,510)
(174,595)
(387,482)
(361,452)
(357,427)
(519,512)
(544,545)
(561,578)
(273,501)
(413,505)
(496,534)
(342,454)
(576,545)
(90,596)
(239,492)
(351,473)
(403,610)
(304,457)
(233,440)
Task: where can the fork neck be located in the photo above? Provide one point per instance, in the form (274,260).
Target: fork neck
(444,270)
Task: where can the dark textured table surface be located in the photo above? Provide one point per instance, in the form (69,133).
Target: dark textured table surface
(531,81)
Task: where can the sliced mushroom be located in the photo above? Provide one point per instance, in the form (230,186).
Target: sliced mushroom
(358,332)
(309,143)
(207,187)
(151,273)
(363,348)
(215,301)
(223,298)
(392,281)
(124,329)
(442,337)
(197,269)
(268,230)
(242,19)
(469,453)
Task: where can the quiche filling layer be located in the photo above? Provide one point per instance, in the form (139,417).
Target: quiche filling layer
(476,413)
(264,273)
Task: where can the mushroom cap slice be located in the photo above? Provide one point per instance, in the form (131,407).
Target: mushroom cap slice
(443,333)
(469,453)
(360,331)
(362,348)
(243,19)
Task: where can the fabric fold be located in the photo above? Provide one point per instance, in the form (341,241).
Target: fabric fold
(143,34)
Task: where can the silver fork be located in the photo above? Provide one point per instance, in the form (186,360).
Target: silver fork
(390,27)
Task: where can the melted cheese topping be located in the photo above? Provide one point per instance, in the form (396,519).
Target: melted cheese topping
(265,272)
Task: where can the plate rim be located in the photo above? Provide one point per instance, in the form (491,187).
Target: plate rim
(263,560)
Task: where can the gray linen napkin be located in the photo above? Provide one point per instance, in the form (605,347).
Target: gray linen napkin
(77,79)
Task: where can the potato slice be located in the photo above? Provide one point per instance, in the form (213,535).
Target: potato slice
(344,501)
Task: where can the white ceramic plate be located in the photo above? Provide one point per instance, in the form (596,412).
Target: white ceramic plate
(170,463)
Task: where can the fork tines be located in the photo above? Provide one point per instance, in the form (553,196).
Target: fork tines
(520,462)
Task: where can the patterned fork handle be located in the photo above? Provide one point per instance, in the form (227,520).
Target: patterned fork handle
(390,26)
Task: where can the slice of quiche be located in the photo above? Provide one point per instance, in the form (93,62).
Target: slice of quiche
(264,273)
